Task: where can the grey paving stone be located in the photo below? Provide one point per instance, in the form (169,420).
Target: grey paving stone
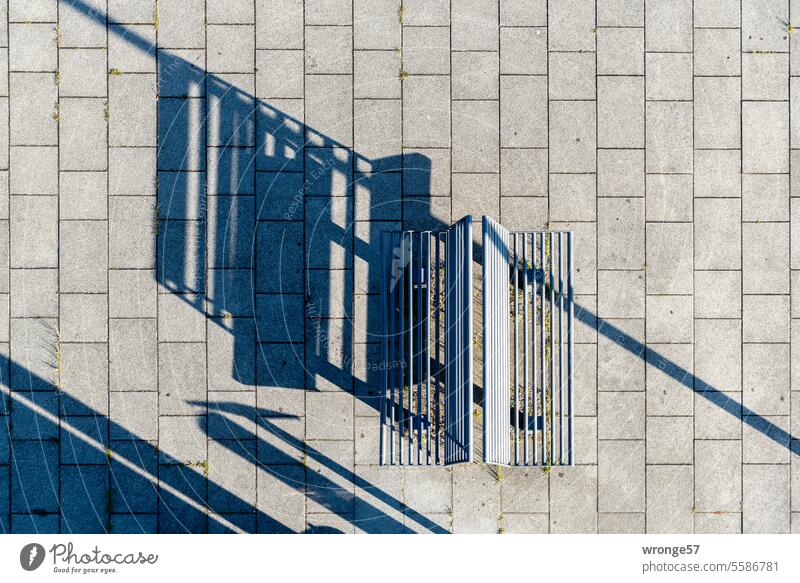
(621,473)
(717,294)
(766,439)
(523,51)
(668,26)
(33,121)
(669,137)
(132,293)
(32,11)
(476,194)
(84,377)
(181,378)
(669,197)
(82,27)
(717,173)
(765,318)
(32,47)
(670,440)
(430,95)
(525,490)
(34,231)
(765,257)
(523,116)
(329,107)
(37,170)
(525,523)
(133,349)
(620,349)
(378,133)
(33,340)
(718,523)
(84,492)
(765,137)
(717,234)
(621,294)
(474,25)
(476,500)
(82,133)
(237,11)
(621,117)
(426,50)
(280,498)
(718,478)
(669,379)
(121,11)
(279,73)
(620,173)
(232,355)
(182,441)
(621,523)
(181,24)
(621,233)
(716,52)
(134,416)
(131,232)
(765,197)
(758,30)
(620,13)
(765,380)
(378,504)
(474,75)
(83,195)
(232,475)
(519,212)
(329,416)
(571,26)
(132,171)
(765,499)
(573,500)
(329,49)
(83,254)
(524,172)
(34,293)
(717,13)
(572,135)
(132,110)
(669,76)
(716,109)
(572,76)
(620,51)
(764,76)
(376,24)
(620,415)
(667,273)
(670,499)
(426,13)
(572,197)
(585,364)
(329,477)
(375,74)
(475,136)
(132,57)
(84,318)
(669,318)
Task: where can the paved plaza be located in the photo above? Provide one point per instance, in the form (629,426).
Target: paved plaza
(192,196)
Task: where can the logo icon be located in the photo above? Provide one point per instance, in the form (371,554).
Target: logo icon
(31,556)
